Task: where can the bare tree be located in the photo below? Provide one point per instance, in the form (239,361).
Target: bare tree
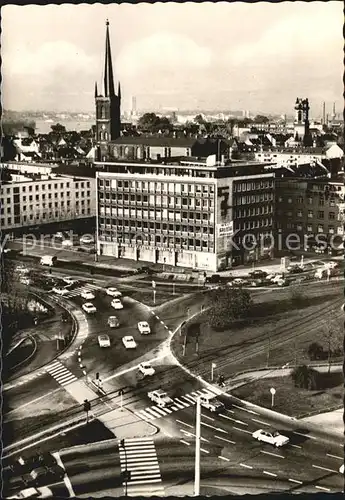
(333,336)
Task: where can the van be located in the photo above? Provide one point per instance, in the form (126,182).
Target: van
(48,260)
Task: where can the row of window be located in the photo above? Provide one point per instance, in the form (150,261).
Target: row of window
(157,187)
(43,206)
(44,216)
(158,200)
(254,224)
(123,225)
(252,186)
(42,186)
(158,214)
(320,228)
(44,196)
(310,201)
(253,198)
(144,170)
(248,212)
(171,242)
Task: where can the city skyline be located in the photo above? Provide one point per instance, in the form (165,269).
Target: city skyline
(160,47)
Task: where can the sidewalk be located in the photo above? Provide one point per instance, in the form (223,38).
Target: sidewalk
(330,420)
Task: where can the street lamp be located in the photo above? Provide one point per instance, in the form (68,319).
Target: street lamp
(197,448)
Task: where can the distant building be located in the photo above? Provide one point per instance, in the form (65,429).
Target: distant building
(184,213)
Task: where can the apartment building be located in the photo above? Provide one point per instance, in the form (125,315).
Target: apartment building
(184,213)
(311,208)
(34,199)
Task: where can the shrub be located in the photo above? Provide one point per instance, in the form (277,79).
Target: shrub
(227,304)
(315,351)
(305,377)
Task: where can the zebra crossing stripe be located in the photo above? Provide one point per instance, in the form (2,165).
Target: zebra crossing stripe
(182,402)
(152,412)
(188,398)
(141,414)
(160,410)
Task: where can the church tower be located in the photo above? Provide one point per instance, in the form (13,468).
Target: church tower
(108,104)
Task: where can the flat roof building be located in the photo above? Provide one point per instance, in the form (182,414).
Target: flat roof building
(190,213)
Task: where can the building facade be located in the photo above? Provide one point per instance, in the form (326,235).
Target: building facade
(30,200)
(313,209)
(182,214)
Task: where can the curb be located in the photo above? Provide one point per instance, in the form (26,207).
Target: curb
(30,355)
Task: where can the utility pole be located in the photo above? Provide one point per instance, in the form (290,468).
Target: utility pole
(121,392)
(213,366)
(197,448)
(154,291)
(173,287)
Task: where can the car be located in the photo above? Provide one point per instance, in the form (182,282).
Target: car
(113,292)
(87,295)
(271,437)
(282,282)
(144,327)
(270,277)
(41,492)
(44,475)
(25,281)
(59,291)
(215,278)
(67,243)
(341,469)
(277,277)
(146,369)
(87,239)
(258,273)
(129,342)
(237,282)
(116,304)
(89,308)
(58,235)
(69,281)
(331,264)
(104,340)
(294,269)
(113,322)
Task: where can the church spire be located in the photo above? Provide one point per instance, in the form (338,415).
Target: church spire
(96,90)
(119,91)
(109,90)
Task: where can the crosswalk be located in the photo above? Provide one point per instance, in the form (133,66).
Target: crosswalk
(139,457)
(77,291)
(60,373)
(153,412)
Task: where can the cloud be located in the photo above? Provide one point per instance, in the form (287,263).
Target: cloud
(52,58)
(163,51)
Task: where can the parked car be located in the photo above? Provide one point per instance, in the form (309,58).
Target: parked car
(113,322)
(294,269)
(87,295)
(258,273)
(237,282)
(40,492)
(215,278)
(282,282)
(44,475)
(87,239)
(113,292)
(271,437)
(116,304)
(331,264)
(146,369)
(60,291)
(69,281)
(89,308)
(144,327)
(129,342)
(67,243)
(277,277)
(104,340)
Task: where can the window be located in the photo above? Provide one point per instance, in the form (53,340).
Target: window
(310,214)
(320,214)
(331,229)
(320,228)
(310,201)
(331,215)
(299,213)
(309,228)
(321,202)
(289,200)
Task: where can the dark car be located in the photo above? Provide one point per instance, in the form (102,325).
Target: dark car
(42,476)
(215,278)
(258,274)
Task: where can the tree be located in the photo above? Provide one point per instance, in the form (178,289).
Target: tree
(58,128)
(199,119)
(305,377)
(261,119)
(315,351)
(150,122)
(333,335)
(227,304)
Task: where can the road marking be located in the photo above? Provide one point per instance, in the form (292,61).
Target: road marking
(246,466)
(184,442)
(84,372)
(269,473)
(305,435)
(242,430)
(260,421)
(296,446)
(234,420)
(227,440)
(185,405)
(190,399)
(224,458)
(210,418)
(167,433)
(245,409)
(184,423)
(66,479)
(189,434)
(215,428)
(162,322)
(334,456)
(205,451)
(272,454)
(295,481)
(324,468)
(322,488)
(230,411)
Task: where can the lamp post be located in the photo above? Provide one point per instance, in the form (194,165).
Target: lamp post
(272,391)
(197,448)
(213,366)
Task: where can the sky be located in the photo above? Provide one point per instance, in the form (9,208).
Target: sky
(225,56)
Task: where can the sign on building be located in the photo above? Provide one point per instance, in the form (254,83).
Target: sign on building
(225,229)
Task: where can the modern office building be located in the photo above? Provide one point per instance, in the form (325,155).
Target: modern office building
(35,199)
(186,213)
(311,208)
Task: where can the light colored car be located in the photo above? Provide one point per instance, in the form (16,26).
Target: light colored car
(116,304)
(146,369)
(113,292)
(144,327)
(113,322)
(25,281)
(87,239)
(104,340)
(89,308)
(41,492)
(270,277)
(68,280)
(237,282)
(331,264)
(341,469)
(271,437)
(87,295)
(60,291)
(129,342)
(67,243)
(277,277)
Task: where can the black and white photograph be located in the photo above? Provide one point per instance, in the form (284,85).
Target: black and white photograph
(172,249)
